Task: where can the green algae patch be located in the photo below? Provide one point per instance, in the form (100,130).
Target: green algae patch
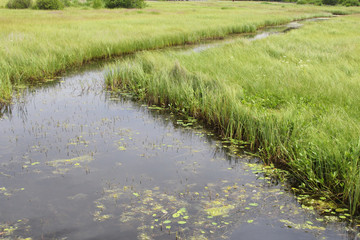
(9,192)
(307,226)
(12,230)
(62,166)
(194,213)
(218,208)
(158,210)
(72,161)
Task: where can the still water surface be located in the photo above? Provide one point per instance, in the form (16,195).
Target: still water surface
(79,163)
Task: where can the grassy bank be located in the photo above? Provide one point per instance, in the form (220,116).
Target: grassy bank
(39,44)
(294,97)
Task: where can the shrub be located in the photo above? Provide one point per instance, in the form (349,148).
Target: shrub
(330,2)
(97,4)
(19,4)
(315,2)
(66,3)
(349,3)
(124,3)
(50,4)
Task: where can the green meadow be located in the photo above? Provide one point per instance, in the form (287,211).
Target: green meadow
(37,44)
(294,98)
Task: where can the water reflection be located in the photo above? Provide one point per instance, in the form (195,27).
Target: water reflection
(77,162)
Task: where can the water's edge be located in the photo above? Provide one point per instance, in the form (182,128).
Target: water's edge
(78,162)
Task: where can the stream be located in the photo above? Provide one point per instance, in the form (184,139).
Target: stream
(79,162)
(260,34)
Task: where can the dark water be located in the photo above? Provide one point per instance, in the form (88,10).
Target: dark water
(77,162)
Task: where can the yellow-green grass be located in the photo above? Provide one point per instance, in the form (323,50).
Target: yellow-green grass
(3,3)
(294,97)
(37,44)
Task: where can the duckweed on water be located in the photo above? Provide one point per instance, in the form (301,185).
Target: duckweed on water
(188,214)
(13,231)
(8,193)
(217,208)
(62,166)
(157,211)
(72,161)
(308,225)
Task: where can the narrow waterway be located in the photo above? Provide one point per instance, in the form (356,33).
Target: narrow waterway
(77,162)
(260,34)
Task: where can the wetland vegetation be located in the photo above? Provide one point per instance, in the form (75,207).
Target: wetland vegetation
(37,45)
(78,161)
(293,98)
(117,169)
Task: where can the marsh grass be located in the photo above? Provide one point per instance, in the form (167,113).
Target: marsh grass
(293,97)
(41,44)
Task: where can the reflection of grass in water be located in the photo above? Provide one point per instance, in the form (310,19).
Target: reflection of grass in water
(291,97)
